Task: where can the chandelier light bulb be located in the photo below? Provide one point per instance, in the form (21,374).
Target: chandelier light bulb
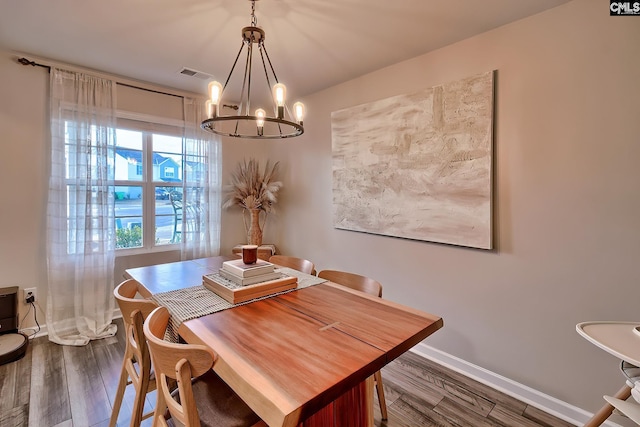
(298,112)
(209,108)
(279,97)
(215,92)
(260,114)
(279,94)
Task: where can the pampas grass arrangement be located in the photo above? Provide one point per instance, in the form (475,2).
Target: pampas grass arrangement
(251,188)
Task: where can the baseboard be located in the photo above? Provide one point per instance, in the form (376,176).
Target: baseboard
(528,395)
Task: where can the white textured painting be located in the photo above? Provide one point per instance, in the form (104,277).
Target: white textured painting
(418,166)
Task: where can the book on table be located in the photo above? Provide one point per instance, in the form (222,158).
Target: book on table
(235,293)
(244,281)
(243,270)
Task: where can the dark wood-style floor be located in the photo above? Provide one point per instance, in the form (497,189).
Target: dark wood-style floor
(66,386)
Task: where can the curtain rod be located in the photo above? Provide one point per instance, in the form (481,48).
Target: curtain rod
(149,90)
(25,61)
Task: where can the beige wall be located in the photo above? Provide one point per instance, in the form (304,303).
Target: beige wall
(23,174)
(566,202)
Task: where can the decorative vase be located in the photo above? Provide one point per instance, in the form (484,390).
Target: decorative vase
(254,229)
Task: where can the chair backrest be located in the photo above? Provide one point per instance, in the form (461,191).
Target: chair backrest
(125,294)
(299,264)
(181,362)
(353,281)
(176,203)
(134,311)
(193,216)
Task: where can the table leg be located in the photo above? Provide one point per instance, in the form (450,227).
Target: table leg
(353,409)
(605,412)
(370,384)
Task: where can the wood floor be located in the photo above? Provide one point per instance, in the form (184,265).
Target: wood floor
(66,386)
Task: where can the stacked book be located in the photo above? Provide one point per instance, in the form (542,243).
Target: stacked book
(238,282)
(248,274)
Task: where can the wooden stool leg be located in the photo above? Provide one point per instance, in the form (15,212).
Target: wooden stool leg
(138,404)
(605,412)
(122,385)
(383,404)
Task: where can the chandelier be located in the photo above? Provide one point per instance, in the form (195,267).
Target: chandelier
(282,123)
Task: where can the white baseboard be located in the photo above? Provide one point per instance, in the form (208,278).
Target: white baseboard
(528,395)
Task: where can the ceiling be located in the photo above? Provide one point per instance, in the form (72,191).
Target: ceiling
(313,44)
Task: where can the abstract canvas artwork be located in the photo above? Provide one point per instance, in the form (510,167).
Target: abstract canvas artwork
(418,166)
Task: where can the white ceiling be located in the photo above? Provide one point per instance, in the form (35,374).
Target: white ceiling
(313,44)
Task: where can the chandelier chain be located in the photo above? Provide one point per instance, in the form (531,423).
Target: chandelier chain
(254,20)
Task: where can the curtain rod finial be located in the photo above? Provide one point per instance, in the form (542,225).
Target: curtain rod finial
(25,61)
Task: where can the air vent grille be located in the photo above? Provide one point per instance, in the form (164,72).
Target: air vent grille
(189,72)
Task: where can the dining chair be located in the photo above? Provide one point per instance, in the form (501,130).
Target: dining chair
(136,365)
(300,264)
(202,397)
(371,287)
(176,203)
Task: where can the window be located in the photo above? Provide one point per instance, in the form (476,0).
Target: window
(148,192)
(150,170)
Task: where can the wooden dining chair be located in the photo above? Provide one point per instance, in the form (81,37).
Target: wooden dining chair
(136,366)
(202,396)
(178,214)
(371,287)
(299,264)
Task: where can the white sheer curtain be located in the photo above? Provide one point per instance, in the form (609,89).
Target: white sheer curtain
(80,211)
(201,186)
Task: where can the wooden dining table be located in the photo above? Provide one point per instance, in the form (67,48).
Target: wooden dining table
(304,357)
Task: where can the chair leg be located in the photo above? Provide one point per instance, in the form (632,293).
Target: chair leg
(138,404)
(606,411)
(379,388)
(122,385)
(161,412)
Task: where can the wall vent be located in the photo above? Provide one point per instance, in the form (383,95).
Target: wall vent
(189,72)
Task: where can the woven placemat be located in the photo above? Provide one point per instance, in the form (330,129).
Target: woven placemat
(197,301)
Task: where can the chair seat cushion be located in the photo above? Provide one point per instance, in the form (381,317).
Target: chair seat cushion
(218,405)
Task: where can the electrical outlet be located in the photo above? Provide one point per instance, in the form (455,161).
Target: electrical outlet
(29,293)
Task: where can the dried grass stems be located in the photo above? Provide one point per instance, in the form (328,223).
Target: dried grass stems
(252,189)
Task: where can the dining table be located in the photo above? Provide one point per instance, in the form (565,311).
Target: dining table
(304,357)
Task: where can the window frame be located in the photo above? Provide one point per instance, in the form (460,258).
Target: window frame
(149,125)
